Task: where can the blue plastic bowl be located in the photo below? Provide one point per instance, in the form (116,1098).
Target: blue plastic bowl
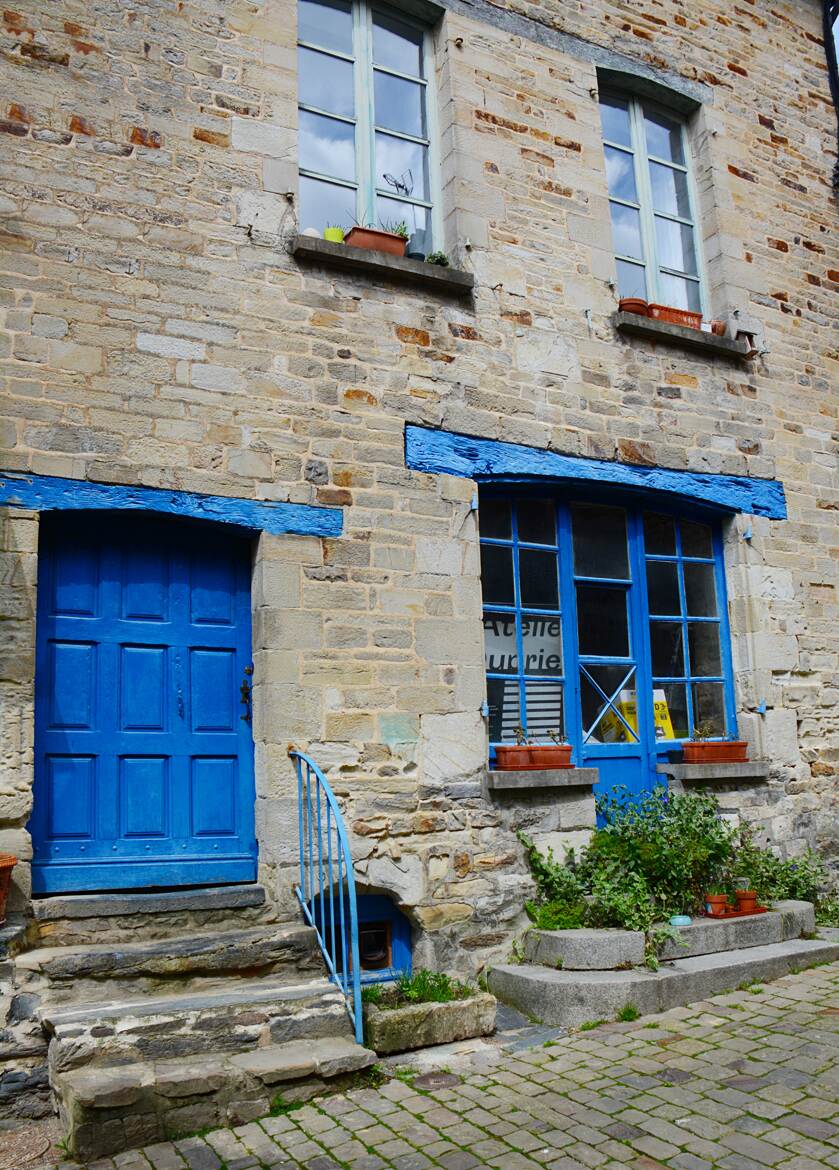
(680,920)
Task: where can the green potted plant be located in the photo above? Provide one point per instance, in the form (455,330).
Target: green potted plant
(390,237)
(704,748)
(438,258)
(555,755)
(333,233)
(514,757)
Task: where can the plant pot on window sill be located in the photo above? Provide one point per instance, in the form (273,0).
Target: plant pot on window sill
(634,305)
(684,317)
(541,757)
(376,241)
(550,755)
(715,751)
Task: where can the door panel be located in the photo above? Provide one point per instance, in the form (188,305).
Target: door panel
(144,763)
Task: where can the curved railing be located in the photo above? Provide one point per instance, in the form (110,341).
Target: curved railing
(327,882)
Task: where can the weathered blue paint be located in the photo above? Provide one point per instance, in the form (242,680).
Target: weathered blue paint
(52,493)
(488,460)
(144,753)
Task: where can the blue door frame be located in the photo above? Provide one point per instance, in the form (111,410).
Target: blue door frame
(630,763)
(144,752)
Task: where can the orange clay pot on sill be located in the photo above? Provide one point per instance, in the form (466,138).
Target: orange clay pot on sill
(683,317)
(633,305)
(550,755)
(746,901)
(376,241)
(8,861)
(716,905)
(512,757)
(715,751)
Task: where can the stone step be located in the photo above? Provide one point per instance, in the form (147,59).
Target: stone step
(571,998)
(235,1016)
(107,1110)
(79,973)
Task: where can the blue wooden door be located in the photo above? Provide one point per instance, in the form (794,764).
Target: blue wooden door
(144,753)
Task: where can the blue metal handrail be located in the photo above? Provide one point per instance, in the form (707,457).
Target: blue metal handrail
(327,882)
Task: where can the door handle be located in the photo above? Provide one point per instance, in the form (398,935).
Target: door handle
(245,693)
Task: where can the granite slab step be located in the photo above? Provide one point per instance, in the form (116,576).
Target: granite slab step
(107,1110)
(571,998)
(236,1016)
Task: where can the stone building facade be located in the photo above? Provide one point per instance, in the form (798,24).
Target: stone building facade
(170,345)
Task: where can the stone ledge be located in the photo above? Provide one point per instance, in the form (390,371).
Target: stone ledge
(105,905)
(753,771)
(534,781)
(453,281)
(652,329)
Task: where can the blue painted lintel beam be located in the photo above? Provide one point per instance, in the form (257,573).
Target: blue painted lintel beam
(46,493)
(489,460)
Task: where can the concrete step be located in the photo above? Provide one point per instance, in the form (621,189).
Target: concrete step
(79,973)
(234,1016)
(571,998)
(107,1110)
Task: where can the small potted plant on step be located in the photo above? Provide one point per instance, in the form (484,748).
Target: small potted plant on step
(389,237)
(556,755)
(514,757)
(704,748)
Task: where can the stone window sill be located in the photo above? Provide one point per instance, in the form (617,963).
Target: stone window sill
(651,329)
(750,771)
(538,781)
(325,254)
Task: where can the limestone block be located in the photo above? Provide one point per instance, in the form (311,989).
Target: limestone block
(441,555)
(561,842)
(404,879)
(584,949)
(442,641)
(543,352)
(420,1025)
(453,746)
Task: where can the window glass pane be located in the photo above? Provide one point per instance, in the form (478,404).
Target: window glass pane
(614,117)
(696,539)
(663,588)
(670,190)
(538,579)
(328,23)
(327,146)
(400,105)
(599,541)
(704,643)
(679,293)
(402,166)
(632,280)
(659,534)
(602,627)
(675,245)
(494,518)
(675,710)
(626,231)
(664,137)
(608,722)
(504,714)
(620,174)
(541,639)
(397,45)
(666,648)
(500,650)
(544,710)
(700,590)
(325,82)
(497,574)
(709,707)
(417,219)
(537,521)
(323,203)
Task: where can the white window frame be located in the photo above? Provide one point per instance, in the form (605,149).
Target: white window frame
(643,189)
(365,186)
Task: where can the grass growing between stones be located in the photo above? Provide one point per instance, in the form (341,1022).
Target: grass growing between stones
(590,1025)
(627,1014)
(281,1108)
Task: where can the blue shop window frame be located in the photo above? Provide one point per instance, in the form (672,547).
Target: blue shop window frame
(379,908)
(635,504)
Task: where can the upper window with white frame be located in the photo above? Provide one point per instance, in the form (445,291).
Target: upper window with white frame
(651,201)
(366,119)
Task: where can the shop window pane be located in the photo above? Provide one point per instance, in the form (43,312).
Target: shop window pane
(659,534)
(626,231)
(664,137)
(668,655)
(538,579)
(497,574)
(663,588)
(696,539)
(537,521)
(494,518)
(700,590)
(614,117)
(670,190)
(614,721)
(599,541)
(602,626)
(709,707)
(327,146)
(323,203)
(504,713)
(674,713)
(704,644)
(544,710)
(328,23)
(397,45)
(399,104)
(620,174)
(542,644)
(500,650)
(403,163)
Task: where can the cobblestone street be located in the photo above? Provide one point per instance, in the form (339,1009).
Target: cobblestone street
(746,1080)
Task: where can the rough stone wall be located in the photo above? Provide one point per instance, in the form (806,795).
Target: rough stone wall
(157,331)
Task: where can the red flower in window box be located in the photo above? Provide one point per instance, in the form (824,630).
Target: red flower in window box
(684,317)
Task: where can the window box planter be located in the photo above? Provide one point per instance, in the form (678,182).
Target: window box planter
(715,751)
(684,317)
(422,1025)
(376,241)
(527,757)
(550,755)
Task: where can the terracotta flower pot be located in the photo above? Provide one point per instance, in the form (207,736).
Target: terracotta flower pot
(633,305)
(718,328)
(512,756)
(376,241)
(685,317)
(551,755)
(7,863)
(746,901)
(715,751)
(716,904)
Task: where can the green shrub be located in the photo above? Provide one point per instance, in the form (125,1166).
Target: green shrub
(773,879)
(426,986)
(556,915)
(827,910)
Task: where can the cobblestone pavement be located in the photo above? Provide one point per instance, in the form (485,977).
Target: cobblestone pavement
(744,1081)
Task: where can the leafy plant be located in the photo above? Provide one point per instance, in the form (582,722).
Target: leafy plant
(555,915)
(775,879)
(372,993)
(827,910)
(706,729)
(439,258)
(522,738)
(426,986)
(396,227)
(628,1013)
